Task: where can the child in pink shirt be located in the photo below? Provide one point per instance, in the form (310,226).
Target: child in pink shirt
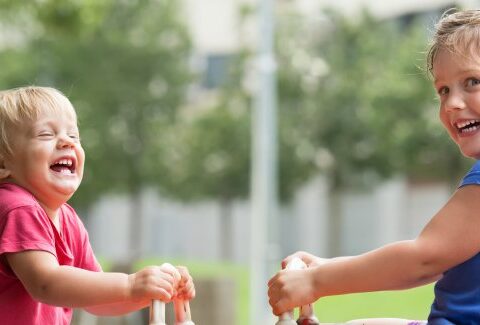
(47,266)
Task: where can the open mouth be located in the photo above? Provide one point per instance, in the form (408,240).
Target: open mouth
(469,126)
(64,166)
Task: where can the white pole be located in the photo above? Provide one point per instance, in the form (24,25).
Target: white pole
(157,312)
(264,168)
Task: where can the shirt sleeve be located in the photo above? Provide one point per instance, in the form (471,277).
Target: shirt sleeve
(87,259)
(26,228)
(89,262)
(472,177)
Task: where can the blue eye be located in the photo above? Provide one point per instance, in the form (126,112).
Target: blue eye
(472,82)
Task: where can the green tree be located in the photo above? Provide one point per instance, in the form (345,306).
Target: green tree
(378,111)
(124,65)
(209,152)
(366,108)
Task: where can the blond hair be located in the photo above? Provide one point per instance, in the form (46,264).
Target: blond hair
(457,32)
(25,104)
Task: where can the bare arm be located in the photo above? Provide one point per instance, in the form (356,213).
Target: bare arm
(68,286)
(116,309)
(450,238)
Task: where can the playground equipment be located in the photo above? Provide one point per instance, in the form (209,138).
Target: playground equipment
(182,313)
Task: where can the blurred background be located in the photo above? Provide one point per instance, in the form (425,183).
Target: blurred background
(166,92)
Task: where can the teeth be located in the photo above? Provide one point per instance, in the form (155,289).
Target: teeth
(66,162)
(463,124)
(470,129)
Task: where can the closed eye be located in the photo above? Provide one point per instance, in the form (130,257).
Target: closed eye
(45,134)
(75,137)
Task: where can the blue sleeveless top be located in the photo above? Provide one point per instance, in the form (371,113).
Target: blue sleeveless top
(457,294)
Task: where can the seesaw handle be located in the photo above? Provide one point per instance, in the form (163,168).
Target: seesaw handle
(295,264)
(157,313)
(183,315)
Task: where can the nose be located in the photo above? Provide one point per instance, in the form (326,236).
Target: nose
(454,101)
(64,141)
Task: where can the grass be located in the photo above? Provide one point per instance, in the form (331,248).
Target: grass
(410,304)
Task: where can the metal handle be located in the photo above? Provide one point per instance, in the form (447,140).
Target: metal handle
(183,315)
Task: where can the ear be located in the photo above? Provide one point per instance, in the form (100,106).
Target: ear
(4,172)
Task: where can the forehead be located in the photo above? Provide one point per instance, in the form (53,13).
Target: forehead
(55,117)
(448,64)
(50,119)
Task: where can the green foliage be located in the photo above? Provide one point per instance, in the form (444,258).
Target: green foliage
(123,64)
(352,100)
(209,155)
(367,109)
(207,150)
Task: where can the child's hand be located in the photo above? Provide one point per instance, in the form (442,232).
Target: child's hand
(185,288)
(309,259)
(154,282)
(291,288)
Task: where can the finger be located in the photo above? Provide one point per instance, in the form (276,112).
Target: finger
(162,294)
(280,306)
(274,278)
(287,260)
(166,285)
(183,271)
(188,292)
(275,310)
(186,277)
(172,270)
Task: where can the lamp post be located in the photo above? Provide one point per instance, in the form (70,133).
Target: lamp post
(263,226)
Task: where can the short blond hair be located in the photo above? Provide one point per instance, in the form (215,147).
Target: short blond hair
(25,104)
(457,32)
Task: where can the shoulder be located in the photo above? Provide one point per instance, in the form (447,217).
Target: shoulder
(473,175)
(13,196)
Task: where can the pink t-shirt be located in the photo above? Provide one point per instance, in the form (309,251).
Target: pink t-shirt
(24,225)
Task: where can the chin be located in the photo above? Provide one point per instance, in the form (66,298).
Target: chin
(474,154)
(67,189)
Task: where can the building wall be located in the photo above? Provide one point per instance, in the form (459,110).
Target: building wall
(394,210)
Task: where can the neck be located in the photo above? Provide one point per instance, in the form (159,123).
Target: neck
(51,206)
(52,215)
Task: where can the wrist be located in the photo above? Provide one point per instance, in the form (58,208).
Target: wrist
(315,276)
(128,287)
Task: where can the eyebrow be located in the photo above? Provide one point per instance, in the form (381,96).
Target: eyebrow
(462,72)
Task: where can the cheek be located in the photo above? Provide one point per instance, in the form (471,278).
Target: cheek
(446,123)
(443,118)
(81,158)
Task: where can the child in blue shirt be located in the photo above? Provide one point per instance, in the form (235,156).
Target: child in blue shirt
(447,249)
